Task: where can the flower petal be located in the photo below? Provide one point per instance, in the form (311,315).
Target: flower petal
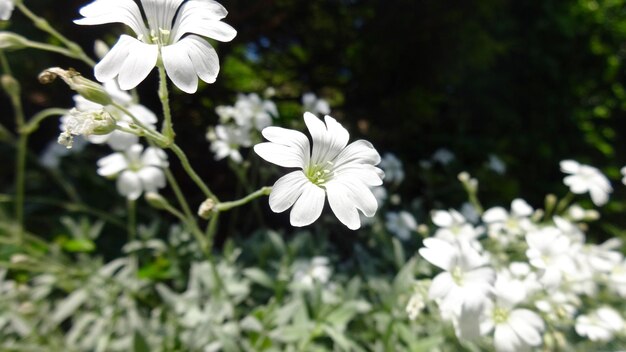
(114,11)
(112,164)
(179,66)
(345,196)
(129,185)
(204,58)
(152,178)
(309,206)
(287,190)
(130,60)
(287,148)
(328,139)
(160,13)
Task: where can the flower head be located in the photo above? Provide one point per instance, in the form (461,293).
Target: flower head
(402,224)
(315,105)
(226,141)
(585,178)
(600,325)
(6,9)
(137,171)
(394,172)
(174,33)
(331,167)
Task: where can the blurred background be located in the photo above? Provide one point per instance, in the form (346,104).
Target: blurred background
(529,83)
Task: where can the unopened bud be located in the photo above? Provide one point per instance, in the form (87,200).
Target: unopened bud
(206,209)
(88,89)
(100,48)
(10,85)
(86,123)
(12,41)
(156,200)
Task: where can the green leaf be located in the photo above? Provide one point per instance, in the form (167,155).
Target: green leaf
(260,277)
(79,245)
(341,316)
(139,343)
(398,252)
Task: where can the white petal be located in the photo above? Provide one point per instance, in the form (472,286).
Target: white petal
(442,284)
(129,185)
(143,114)
(112,164)
(308,207)
(439,253)
(505,339)
(569,166)
(287,190)
(154,157)
(204,58)
(598,196)
(287,148)
(119,140)
(179,66)
(359,151)
(519,207)
(152,178)
(328,140)
(527,325)
(6,9)
(160,13)
(345,198)
(209,28)
(114,11)
(441,218)
(130,60)
(495,214)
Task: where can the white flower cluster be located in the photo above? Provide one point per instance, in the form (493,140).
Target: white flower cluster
(521,270)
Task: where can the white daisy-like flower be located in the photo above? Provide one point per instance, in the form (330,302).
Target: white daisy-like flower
(315,105)
(308,272)
(550,251)
(515,329)
(343,172)
(401,224)
(452,226)
(465,284)
(6,9)
(226,141)
(137,171)
(516,222)
(117,140)
(253,112)
(585,178)
(174,34)
(394,171)
(600,325)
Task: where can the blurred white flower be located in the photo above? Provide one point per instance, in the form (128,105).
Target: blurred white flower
(401,224)
(577,213)
(549,250)
(308,272)
(600,325)
(344,173)
(496,164)
(174,34)
(315,105)
(617,279)
(465,284)
(585,178)
(51,156)
(623,172)
(6,9)
(117,140)
(394,172)
(226,141)
(454,227)
(515,329)
(251,111)
(137,171)
(515,223)
(443,156)
(416,305)
(469,211)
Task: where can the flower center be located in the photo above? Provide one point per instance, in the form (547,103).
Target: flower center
(457,275)
(500,315)
(319,174)
(162,37)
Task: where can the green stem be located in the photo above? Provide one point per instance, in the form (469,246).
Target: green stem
(53,49)
(20,169)
(35,121)
(225,206)
(168,127)
(75,50)
(131,220)
(192,173)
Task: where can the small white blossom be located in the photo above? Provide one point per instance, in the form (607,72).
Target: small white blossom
(401,224)
(617,279)
(394,172)
(577,213)
(416,303)
(496,164)
(137,171)
(308,272)
(226,141)
(174,34)
(251,111)
(585,178)
(85,123)
(514,223)
(623,172)
(549,250)
(443,156)
(6,9)
(466,281)
(315,105)
(331,167)
(454,227)
(469,211)
(600,325)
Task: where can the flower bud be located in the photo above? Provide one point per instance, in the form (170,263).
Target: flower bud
(88,89)
(10,85)
(206,209)
(156,200)
(12,41)
(86,123)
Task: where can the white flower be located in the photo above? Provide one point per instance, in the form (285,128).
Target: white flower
(415,306)
(453,226)
(173,34)
(307,273)
(550,251)
(600,325)
(514,329)
(623,172)
(344,173)
(394,172)
(85,123)
(469,211)
(136,172)
(252,111)
(617,279)
(6,9)
(51,156)
(443,156)
(317,106)
(226,141)
(401,224)
(496,164)
(466,282)
(117,140)
(585,178)
(515,223)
